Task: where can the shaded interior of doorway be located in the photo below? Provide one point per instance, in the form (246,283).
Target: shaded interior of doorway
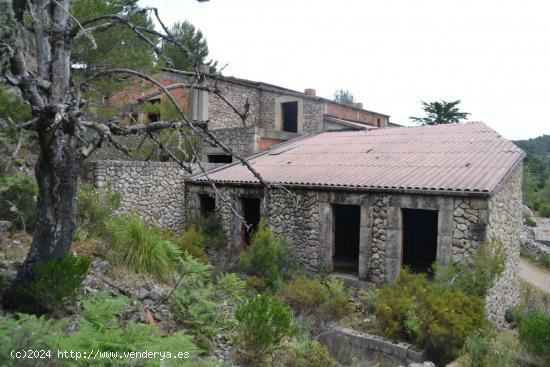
(347,221)
(290,116)
(419,239)
(251,211)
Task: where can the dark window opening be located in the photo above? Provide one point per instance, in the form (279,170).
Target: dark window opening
(290,116)
(251,214)
(378,122)
(208,204)
(347,222)
(219,158)
(419,239)
(154,116)
(134,117)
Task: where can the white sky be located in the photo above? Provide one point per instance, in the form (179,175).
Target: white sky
(391,54)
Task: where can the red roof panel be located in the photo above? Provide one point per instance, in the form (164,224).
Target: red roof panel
(458,157)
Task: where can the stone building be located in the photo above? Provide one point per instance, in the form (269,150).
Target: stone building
(368,203)
(152,188)
(275,114)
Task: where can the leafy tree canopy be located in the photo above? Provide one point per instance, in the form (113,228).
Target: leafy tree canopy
(344,96)
(441,112)
(191,38)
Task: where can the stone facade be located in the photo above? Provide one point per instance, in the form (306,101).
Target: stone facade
(154,191)
(222,116)
(505,221)
(305,218)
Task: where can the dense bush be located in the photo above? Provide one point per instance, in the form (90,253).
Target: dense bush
(192,241)
(267,257)
(94,209)
(143,248)
(304,295)
(544,210)
(474,275)
(262,323)
(210,227)
(57,280)
(18,200)
(307,353)
(417,310)
(534,333)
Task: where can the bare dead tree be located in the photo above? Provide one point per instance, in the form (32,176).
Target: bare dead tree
(45,32)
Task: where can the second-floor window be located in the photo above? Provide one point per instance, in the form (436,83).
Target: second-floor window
(290,116)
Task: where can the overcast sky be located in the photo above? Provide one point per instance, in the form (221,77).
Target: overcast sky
(391,54)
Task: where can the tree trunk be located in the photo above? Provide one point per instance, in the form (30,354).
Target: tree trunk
(57,177)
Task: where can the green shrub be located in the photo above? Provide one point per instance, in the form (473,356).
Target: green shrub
(98,329)
(26,332)
(416,310)
(337,304)
(262,323)
(303,295)
(474,275)
(482,350)
(94,209)
(534,333)
(57,280)
(192,241)
(267,257)
(143,248)
(544,210)
(210,227)
(203,306)
(18,200)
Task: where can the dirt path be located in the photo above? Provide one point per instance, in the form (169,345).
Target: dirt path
(534,275)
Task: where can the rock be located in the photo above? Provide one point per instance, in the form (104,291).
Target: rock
(5,225)
(143,293)
(155,293)
(102,267)
(424,364)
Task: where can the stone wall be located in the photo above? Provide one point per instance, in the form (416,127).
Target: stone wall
(222,116)
(470,217)
(241,140)
(505,221)
(154,191)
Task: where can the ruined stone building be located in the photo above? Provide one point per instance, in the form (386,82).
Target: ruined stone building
(368,203)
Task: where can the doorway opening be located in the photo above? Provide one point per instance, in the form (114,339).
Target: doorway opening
(207,204)
(251,211)
(419,239)
(290,116)
(347,223)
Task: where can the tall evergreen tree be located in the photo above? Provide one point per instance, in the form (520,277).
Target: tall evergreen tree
(190,37)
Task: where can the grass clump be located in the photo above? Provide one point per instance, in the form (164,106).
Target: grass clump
(534,333)
(262,323)
(267,258)
(488,350)
(143,248)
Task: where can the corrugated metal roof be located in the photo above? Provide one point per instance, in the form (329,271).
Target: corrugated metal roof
(469,157)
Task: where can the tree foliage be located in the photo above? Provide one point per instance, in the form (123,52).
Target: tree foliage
(193,39)
(536,173)
(441,112)
(344,96)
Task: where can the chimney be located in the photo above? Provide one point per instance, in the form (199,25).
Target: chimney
(359,105)
(309,92)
